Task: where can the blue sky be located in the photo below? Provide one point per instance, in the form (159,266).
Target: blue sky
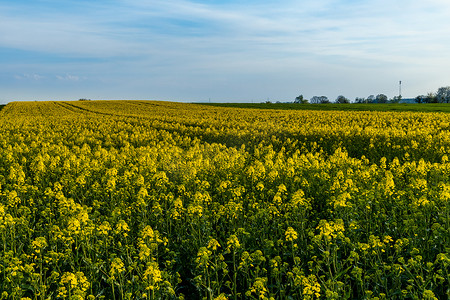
(244,50)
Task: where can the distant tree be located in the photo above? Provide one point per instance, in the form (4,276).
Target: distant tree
(396,99)
(371,99)
(324,99)
(319,100)
(381,98)
(421,99)
(443,94)
(342,100)
(431,98)
(300,100)
(315,100)
(360,100)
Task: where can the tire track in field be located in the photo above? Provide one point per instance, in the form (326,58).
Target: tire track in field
(79,109)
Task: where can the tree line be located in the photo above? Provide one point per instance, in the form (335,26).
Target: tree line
(441,96)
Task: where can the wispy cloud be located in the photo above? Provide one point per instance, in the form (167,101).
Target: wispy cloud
(68,77)
(34,77)
(198,48)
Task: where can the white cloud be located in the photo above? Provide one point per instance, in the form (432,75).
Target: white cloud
(68,77)
(34,77)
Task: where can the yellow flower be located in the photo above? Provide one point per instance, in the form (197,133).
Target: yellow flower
(341,200)
(38,244)
(195,210)
(387,239)
(364,246)
(220,297)
(259,288)
(329,230)
(429,295)
(152,276)
(203,257)
(142,194)
(74,284)
(74,225)
(147,232)
(122,228)
(299,200)
(260,186)
(69,279)
(290,234)
(117,267)
(311,288)
(233,243)
(282,188)
(144,251)
(104,228)
(353,225)
(213,244)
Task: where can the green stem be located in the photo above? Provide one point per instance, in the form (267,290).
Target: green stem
(234,276)
(113,292)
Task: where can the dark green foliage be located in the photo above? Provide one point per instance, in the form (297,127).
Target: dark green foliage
(429,107)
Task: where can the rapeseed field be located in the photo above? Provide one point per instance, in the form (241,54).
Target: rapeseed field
(160,200)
